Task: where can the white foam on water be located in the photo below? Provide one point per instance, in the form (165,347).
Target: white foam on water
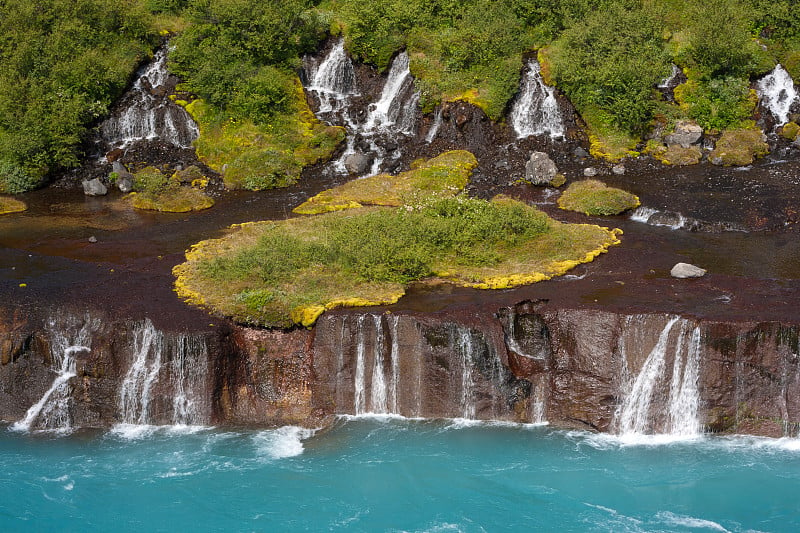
(133,431)
(689,521)
(778,94)
(283,442)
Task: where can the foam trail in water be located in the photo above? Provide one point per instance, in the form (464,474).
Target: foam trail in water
(536,111)
(778,94)
(283,442)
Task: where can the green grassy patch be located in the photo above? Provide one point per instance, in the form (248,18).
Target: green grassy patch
(262,156)
(289,272)
(11,205)
(593,197)
(739,147)
(441,176)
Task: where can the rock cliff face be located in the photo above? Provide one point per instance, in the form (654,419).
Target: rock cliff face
(585,368)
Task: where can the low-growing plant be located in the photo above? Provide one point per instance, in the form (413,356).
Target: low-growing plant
(593,197)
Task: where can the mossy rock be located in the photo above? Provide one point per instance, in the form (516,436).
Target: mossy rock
(593,197)
(678,155)
(442,176)
(11,205)
(149,180)
(739,147)
(188,174)
(172,200)
(790,130)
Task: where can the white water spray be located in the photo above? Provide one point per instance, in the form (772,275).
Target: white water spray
(778,94)
(536,110)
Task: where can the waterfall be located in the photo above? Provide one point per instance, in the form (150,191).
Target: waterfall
(536,111)
(538,400)
(372,133)
(334,80)
(648,400)
(394,108)
(174,366)
(382,393)
(465,349)
(668,82)
(134,399)
(437,123)
(52,411)
(778,94)
(147,113)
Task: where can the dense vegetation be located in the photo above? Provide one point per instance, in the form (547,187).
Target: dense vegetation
(64,62)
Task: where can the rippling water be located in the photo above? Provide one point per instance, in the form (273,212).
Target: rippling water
(394,475)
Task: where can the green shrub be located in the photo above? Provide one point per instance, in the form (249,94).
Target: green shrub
(14,179)
(593,197)
(718,103)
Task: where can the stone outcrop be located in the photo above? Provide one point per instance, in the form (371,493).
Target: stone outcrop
(94,187)
(540,169)
(687,133)
(686,270)
(525,363)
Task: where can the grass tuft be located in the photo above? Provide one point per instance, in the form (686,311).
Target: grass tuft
(593,197)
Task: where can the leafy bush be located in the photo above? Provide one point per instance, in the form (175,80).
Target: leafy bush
(717,103)
(15,179)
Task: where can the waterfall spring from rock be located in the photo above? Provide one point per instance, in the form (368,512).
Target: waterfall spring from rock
(652,404)
(372,136)
(51,412)
(536,111)
(778,94)
(147,114)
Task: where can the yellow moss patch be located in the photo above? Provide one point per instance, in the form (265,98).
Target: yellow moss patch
(471,96)
(790,130)
(593,197)
(11,205)
(172,200)
(444,175)
(605,140)
(676,154)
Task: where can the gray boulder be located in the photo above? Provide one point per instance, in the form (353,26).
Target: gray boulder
(357,164)
(619,170)
(540,169)
(686,270)
(590,172)
(94,187)
(687,132)
(125,182)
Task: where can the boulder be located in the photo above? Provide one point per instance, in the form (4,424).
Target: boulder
(540,169)
(590,172)
(94,187)
(580,153)
(687,133)
(125,182)
(357,164)
(619,169)
(686,270)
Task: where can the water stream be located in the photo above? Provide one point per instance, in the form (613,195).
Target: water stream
(778,94)
(536,110)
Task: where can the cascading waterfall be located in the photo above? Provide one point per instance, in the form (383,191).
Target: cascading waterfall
(334,84)
(135,395)
(175,366)
(148,113)
(778,94)
(466,350)
(639,413)
(536,111)
(538,400)
(669,81)
(52,410)
(382,394)
(437,123)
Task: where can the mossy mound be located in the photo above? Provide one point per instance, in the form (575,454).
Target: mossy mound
(441,176)
(677,155)
(739,147)
(593,197)
(263,156)
(289,272)
(156,192)
(11,205)
(790,131)
(607,141)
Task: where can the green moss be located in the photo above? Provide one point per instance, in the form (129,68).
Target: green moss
(441,176)
(281,273)
(11,205)
(155,192)
(607,141)
(790,130)
(593,197)
(262,156)
(739,147)
(675,154)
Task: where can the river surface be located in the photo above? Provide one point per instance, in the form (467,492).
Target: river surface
(394,475)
